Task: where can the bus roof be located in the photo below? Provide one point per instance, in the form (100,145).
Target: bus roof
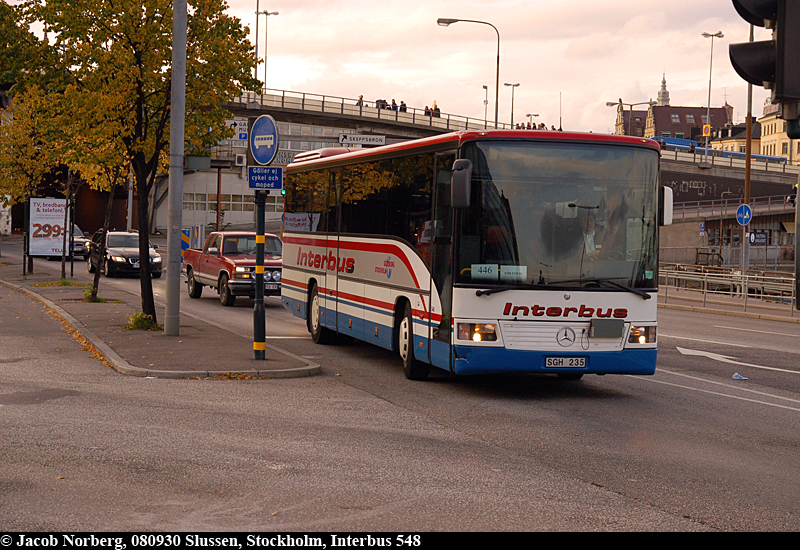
(342,154)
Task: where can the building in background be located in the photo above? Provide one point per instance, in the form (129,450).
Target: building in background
(774,140)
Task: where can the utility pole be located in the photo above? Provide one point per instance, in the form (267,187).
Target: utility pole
(172,314)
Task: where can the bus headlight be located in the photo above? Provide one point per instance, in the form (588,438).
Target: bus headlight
(642,335)
(477,332)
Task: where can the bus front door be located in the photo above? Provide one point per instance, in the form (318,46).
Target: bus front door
(441,264)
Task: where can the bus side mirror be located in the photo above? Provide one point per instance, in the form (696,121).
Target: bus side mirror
(460,190)
(665,210)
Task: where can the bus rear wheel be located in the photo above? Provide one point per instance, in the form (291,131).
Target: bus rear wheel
(413,369)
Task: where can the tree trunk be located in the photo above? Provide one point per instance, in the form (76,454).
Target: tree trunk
(146,282)
(101,253)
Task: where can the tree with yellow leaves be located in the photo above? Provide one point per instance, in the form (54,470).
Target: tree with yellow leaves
(119,56)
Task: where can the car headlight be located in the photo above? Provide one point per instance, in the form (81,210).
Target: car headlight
(156,259)
(118,259)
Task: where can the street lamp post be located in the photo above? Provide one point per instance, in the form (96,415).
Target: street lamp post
(255,69)
(530,118)
(266,15)
(619,104)
(512,101)
(717,34)
(442,22)
(485,105)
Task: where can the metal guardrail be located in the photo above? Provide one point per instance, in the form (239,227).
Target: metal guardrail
(738,288)
(366,109)
(719,207)
(778,257)
(730,162)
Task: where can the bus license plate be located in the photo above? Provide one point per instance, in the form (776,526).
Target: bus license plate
(565,362)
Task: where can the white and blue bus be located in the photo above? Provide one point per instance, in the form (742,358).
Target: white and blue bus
(482,252)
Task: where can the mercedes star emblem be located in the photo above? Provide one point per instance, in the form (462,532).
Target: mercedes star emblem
(565,337)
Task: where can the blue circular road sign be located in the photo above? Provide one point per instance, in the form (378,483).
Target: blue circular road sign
(264,139)
(744,214)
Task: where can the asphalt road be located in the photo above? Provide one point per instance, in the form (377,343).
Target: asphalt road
(362,448)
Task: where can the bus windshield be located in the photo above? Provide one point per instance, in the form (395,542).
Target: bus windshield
(571,215)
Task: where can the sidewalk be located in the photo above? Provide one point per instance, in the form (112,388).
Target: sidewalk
(202,350)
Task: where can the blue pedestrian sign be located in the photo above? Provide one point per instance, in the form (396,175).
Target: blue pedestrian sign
(744,214)
(265,177)
(263,140)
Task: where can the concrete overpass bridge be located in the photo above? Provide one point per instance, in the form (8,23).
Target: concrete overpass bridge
(364,116)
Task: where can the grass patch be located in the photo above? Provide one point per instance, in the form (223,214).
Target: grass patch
(62,282)
(141,321)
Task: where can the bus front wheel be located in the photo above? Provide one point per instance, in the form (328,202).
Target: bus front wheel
(413,369)
(319,334)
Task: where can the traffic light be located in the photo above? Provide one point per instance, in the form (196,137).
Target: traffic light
(773,64)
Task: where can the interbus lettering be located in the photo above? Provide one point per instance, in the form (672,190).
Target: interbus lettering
(555,311)
(309,258)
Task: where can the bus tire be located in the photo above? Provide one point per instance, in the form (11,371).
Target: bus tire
(319,334)
(413,369)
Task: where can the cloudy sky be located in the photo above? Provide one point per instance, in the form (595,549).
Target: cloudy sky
(586,52)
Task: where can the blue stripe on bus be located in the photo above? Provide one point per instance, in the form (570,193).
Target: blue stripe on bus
(491,360)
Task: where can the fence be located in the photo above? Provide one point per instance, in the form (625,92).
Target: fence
(775,256)
(367,109)
(769,290)
(730,162)
(720,207)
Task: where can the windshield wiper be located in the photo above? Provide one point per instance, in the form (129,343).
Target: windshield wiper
(609,281)
(520,286)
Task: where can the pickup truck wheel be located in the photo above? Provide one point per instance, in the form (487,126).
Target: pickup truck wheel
(225,296)
(195,289)
(413,369)
(319,334)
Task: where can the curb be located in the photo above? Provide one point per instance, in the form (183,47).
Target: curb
(123,367)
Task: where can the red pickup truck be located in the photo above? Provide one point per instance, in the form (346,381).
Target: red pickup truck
(227,263)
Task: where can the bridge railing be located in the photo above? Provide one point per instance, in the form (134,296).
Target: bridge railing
(778,257)
(717,207)
(773,290)
(730,162)
(366,109)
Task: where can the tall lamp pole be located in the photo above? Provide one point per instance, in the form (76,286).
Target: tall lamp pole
(717,34)
(255,69)
(442,22)
(485,105)
(266,15)
(512,100)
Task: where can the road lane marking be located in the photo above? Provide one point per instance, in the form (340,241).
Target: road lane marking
(660,335)
(730,386)
(753,330)
(731,360)
(719,394)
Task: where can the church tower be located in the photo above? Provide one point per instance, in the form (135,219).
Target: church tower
(663,94)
